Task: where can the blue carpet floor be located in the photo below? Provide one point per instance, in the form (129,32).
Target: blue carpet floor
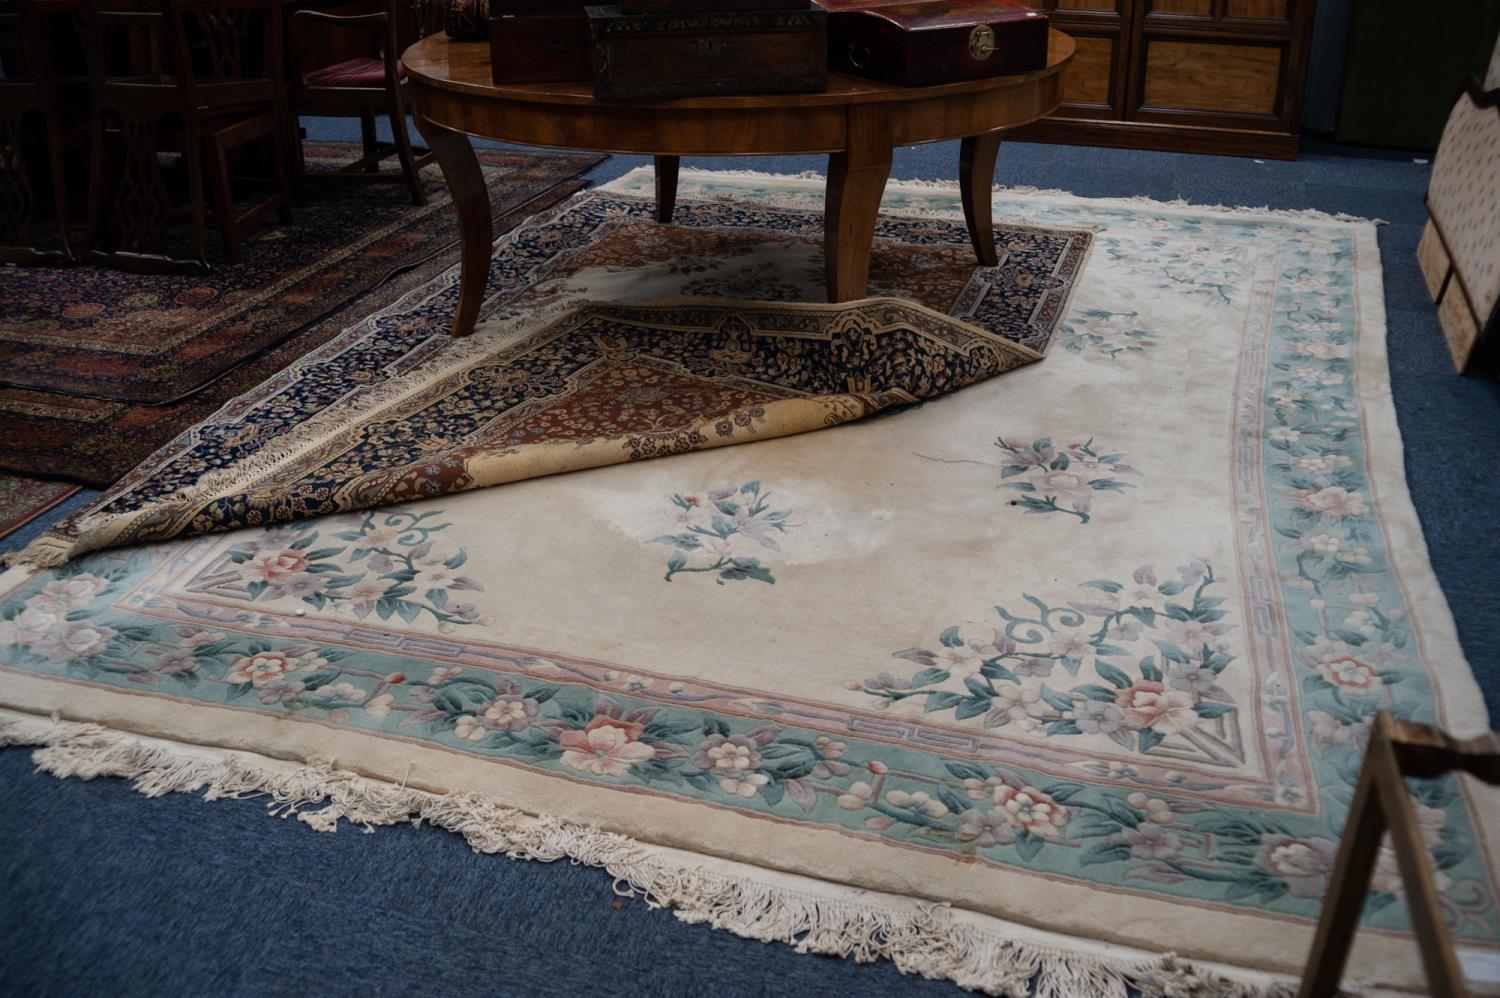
(105,892)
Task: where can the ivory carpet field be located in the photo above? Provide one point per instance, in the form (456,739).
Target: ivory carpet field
(1088,647)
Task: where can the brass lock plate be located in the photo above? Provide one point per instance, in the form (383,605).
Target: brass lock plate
(982,42)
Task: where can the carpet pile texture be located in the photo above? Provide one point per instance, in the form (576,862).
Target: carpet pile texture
(1107,631)
(24,499)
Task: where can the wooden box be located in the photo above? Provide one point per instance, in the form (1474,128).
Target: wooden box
(702,6)
(717,53)
(531,48)
(920,42)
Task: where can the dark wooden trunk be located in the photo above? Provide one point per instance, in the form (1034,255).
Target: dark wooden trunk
(663,56)
(921,42)
(702,6)
(532,48)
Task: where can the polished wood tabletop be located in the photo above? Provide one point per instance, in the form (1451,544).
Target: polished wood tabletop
(857,122)
(464,67)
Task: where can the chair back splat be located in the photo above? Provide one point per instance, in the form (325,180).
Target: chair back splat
(199,78)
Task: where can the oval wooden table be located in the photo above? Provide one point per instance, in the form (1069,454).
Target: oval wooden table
(857,122)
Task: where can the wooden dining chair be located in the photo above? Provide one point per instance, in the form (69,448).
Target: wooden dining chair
(364,86)
(30,104)
(216,85)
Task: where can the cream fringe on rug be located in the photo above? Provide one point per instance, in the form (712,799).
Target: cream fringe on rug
(935,941)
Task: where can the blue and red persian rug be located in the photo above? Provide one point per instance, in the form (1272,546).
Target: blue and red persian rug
(396,409)
(1035,683)
(100,368)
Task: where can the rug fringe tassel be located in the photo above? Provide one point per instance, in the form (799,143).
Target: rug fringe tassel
(924,939)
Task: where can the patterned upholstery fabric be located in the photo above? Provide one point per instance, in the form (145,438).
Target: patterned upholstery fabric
(353,73)
(1464,198)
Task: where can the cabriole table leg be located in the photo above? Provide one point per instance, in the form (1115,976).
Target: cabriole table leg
(666,186)
(856,180)
(471,201)
(976,177)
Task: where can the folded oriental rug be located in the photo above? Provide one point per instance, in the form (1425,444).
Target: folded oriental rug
(1045,678)
(397,409)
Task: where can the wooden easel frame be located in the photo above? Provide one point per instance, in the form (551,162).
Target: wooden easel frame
(1397,750)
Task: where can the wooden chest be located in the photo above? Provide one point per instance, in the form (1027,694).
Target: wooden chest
(715,53)
(919,42)
(538,41)
(699,6)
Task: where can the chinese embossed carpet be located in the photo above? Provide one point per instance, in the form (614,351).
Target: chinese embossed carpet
(99,368)
(1087,652)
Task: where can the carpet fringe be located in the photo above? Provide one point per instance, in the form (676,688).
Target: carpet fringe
(923,939)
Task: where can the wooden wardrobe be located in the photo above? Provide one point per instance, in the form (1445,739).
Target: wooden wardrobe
(1214,76)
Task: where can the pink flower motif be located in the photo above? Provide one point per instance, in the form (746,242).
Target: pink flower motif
(1350,674)
(175,663)
(985,828)
(69,641)
(1030,810)
(1151,841)
(605,747)
(73,593)
(1333,501)
(960,661)
(1064,485)
(1151,705)
(260,670)
(1193,633)
(1303,863)
(32,624)
(757,528)
(1075,645)
(274,566)
(726,756)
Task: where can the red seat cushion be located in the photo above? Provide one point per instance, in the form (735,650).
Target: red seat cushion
(353,73)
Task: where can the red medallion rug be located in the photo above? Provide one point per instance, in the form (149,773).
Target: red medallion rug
(100,367)
(24,499)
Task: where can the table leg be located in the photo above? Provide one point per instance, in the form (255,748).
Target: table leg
(666,186)
(471,200)
(856,180)
(976,176)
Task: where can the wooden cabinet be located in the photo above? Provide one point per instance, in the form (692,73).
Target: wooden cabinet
(1219,76)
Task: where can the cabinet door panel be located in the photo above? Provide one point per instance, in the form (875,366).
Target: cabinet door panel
(1087,79)
(1200,8)
(1207,76)
(1088,5)
(1271,10)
